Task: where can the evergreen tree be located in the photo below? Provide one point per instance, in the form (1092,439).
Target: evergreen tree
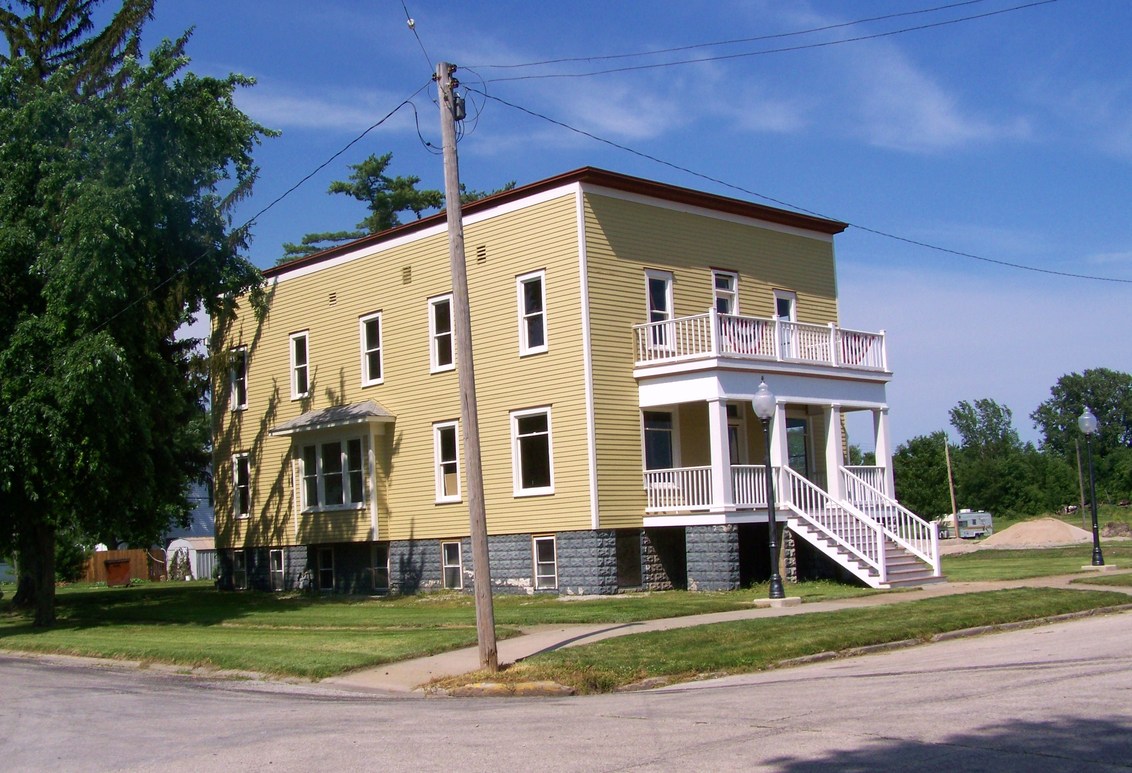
(386,198)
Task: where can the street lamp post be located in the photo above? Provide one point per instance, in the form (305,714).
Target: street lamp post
(764,405)
(1087,423)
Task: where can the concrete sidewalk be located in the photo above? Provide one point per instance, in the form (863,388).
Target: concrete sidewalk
(409,675)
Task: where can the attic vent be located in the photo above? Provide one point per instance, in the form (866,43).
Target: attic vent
(481,253)
(333,298)
(407,275)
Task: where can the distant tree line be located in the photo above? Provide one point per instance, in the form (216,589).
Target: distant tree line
(994,470)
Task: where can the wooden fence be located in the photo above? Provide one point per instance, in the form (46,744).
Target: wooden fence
(118,567)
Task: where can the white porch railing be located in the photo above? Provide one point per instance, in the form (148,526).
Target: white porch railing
(874,476)
(901,525)
(678,489)
(857,533)
(748,485)
(757,338)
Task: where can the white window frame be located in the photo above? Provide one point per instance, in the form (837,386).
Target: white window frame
(238,378)
(439,462)
(300,367)
(351,477)
(368,348)
(240,569)
(380,568)
(321,566)
(660,337)
(792,297)
(517,456)
(276,575)
(526,316)
(434,337)
(542,580)
(445,565)
(730,295)
(242,492)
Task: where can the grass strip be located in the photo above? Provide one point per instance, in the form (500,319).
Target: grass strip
(1111,580)
(193,625)
(754,645)
(997,564)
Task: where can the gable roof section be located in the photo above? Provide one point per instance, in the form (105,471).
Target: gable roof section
(590,176)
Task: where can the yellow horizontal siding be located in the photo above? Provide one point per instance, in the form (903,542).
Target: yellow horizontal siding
(328,304)
(623,239)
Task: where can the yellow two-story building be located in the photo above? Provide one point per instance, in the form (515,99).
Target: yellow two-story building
(621,328)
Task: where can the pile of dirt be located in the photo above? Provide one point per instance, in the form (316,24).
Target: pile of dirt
(1041,532)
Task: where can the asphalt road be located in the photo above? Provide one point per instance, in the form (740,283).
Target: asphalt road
(1054,698)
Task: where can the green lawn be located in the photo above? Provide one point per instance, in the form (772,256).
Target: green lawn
(191,624)
(997,564)
(753,645)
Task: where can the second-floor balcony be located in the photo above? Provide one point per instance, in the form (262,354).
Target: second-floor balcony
(715,335)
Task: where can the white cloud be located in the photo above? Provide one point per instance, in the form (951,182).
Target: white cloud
(334,110)
(901,107)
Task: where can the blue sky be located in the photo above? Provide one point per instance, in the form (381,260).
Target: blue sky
(1008,137)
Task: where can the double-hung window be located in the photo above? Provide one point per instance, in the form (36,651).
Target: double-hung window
(333,474)
(532,312)
(241,485)
(276,569)
(446,450)
(453,566)
(725,285)
(369,330)
(442,346)
(545,562)
(238,378)
(532,456)
(300,365)
(240,569)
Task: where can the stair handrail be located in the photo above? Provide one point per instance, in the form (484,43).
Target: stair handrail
(801,497)
(908,530)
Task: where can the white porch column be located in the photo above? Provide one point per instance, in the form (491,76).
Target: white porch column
(834,450)
(721,495)
(779,451)
(884,449)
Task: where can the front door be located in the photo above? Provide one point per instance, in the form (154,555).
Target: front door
(659,296)
(797,446)
(785,312)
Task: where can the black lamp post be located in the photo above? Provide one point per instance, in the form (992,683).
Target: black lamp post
(1087,423)
(764,406)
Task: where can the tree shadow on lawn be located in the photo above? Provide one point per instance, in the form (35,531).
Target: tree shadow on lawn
(160,603)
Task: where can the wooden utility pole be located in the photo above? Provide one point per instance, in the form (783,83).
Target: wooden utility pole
(951,489)
(465,372)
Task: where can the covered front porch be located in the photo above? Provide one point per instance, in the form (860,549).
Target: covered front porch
(705,454)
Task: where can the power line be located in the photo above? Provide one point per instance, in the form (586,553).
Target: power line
(785,49)
(796,33)
(409,20)
(764,197)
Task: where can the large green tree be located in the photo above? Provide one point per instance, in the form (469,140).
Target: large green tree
(919,468)
(1108,394)
(117,177)
(995,471)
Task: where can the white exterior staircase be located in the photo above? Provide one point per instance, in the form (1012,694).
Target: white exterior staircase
(867,533)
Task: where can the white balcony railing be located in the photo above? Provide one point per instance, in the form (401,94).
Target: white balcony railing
(757,338)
